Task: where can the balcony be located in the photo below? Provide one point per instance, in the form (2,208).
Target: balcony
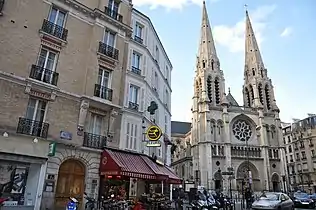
(136,70)
(113,14)
(108,50)
(103,92)
(94,141)
(32,128)
(133,105)
(138,39)
(45,75)
(54,30)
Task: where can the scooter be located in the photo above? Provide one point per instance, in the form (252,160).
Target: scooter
(72,204)
(90,205)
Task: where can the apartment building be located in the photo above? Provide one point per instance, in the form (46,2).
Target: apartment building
(61,78)
(148,80)
(299,140)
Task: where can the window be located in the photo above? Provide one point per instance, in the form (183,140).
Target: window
(290,148)
(57,17)
(36,110)
(113,5)
(138,30)
(133,94)
(47,62)
(157,54)
(136,60)
(156,81)
(312,153)
(104,78)
(131,136)
(303,155)
(297,156)
(95,126)
(167,73)
(166,97)
(166,123)
(109,38)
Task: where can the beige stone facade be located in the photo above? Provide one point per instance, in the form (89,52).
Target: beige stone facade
(62,76)
(299,139)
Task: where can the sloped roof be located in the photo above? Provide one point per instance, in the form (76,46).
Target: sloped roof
(231,100)
(180,127)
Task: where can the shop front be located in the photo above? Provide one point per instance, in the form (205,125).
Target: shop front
(22,170)
(132,175)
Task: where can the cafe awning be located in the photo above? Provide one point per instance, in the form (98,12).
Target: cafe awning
(123,163)
(172,177)
(160,174)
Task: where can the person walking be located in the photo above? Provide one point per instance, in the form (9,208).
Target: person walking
(248,197)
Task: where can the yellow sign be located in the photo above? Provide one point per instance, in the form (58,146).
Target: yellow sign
(154,133)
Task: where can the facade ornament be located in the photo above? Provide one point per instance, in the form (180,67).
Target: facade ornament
(113,117)
(1,6)
(82,117)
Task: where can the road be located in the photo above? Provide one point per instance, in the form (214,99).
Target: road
(238,207)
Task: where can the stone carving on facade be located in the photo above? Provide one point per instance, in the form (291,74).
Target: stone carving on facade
(113,117)
(1,6)
(82,117)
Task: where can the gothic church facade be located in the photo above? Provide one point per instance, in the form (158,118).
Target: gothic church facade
(245,138)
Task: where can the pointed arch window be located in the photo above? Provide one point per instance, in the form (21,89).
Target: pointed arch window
(204,64)
(268,99)
(209,88)
(260,92)
(212,64)
(217,91)
(252,95)
(197,88)
(248,103)
(253,72)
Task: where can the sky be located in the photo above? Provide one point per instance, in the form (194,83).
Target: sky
(285,30)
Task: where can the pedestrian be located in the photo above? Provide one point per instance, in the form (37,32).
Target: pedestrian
(248,197)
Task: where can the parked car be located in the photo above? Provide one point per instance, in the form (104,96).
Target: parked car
(273,200)
(313,197)
(302,199)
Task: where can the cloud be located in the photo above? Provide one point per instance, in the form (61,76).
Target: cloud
(286,32)
(233,37)
(169,4)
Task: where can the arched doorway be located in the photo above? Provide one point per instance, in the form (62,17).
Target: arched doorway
(218,181)
(70,183)
(275,182)
(243,175)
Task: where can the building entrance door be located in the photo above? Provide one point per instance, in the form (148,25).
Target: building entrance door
(70,183)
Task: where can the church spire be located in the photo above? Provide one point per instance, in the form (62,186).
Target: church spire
(253,59)
(207,56)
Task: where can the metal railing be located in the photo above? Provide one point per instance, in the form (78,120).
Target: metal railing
(103,92)
(55,30)
(32,127)
(94,141)
(108,50)
(45,75)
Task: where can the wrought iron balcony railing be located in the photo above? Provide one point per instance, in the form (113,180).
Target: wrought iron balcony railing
(113,14)
(32,128)
(45,75)
(136,70)
(108,50)
(103,92)
(94,141)
(55,30)
(133,105)
(138,39)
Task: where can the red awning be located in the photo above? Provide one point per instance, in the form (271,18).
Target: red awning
(155,168)
(172,177)
(115,162)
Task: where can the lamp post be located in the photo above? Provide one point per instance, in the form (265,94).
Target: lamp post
(283,179)
(248,165)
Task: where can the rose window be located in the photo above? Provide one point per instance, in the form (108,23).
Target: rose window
(242,130)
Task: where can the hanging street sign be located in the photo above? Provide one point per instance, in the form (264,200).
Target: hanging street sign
(153,133)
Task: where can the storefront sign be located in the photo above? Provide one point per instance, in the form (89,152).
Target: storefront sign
(52,149)
(153,134)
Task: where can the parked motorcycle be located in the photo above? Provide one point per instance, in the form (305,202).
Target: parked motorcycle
(72,204)
(91,202)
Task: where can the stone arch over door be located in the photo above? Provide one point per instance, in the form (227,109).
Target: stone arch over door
(275,179)
(242,174)
(70,182)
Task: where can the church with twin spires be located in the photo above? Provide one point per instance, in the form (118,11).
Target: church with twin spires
(226,136)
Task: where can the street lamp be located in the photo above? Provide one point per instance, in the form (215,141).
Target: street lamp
(283,179)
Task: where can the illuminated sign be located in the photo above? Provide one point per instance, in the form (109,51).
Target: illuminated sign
(153,134)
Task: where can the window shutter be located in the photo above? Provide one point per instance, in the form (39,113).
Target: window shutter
(130,57)
(144,57)
(127,94)
(142,99)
